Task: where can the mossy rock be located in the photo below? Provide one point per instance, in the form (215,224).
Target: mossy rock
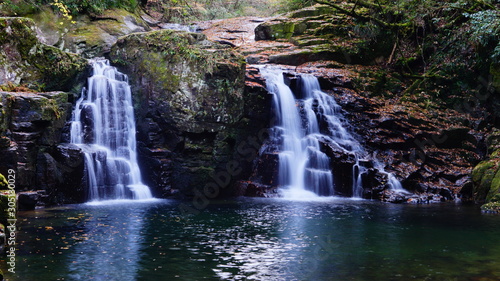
(94,37)
(495,186)
(36,107)
(4,205)
(337,30)
(493,141)
(491,207)
(330,52)
(485,177)
(36,115)
(294,24)
(29,62)
(188,93)
(279,29)
(314,11)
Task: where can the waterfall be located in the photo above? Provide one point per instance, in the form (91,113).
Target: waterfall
(302,123)
(103,126)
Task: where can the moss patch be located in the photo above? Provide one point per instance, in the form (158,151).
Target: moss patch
(491,207)
(28,62)
(486,177)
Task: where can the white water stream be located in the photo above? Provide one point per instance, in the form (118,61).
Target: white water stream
(300,126)
(103,126)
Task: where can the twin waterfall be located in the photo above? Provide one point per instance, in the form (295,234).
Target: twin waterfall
(301,125)
(103,126)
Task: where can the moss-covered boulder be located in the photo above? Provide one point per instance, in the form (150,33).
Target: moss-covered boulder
(277,29)
(25,60)
(93,37)
(87,34)
(189,98)
(486,176)
(296,23)
(493,206)
(321,33)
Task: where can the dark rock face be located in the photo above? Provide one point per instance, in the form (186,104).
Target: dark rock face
(194,114)
(31,126)
(429,152)
(202,119)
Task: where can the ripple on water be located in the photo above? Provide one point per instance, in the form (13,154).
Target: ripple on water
(259,239)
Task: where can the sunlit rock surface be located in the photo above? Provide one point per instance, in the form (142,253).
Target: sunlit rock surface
(24,60)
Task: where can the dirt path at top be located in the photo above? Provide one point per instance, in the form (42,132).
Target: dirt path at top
(240,33)
(237,31)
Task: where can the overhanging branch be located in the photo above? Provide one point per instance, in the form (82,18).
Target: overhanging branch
(361,17)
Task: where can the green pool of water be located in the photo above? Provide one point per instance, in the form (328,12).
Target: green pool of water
(258,239)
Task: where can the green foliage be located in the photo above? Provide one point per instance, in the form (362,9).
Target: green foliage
(75,7)
(291,5)
(485,29)
(18,8)
(97,7)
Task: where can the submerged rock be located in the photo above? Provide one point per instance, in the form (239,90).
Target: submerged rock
(29,200)
(252,189)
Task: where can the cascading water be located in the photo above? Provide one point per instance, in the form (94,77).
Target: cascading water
(300,126)
(103,126)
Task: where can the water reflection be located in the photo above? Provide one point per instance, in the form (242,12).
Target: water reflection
(260,239)
(110,244)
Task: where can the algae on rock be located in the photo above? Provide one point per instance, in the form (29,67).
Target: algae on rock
(486,176)
(25,60)
(94,37)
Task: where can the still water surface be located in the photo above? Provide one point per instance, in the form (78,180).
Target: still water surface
(258,239)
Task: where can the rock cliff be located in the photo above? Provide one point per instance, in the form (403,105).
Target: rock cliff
(191,105)
(31,126)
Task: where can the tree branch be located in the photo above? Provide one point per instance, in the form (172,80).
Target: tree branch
(361,17)
(487,5)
